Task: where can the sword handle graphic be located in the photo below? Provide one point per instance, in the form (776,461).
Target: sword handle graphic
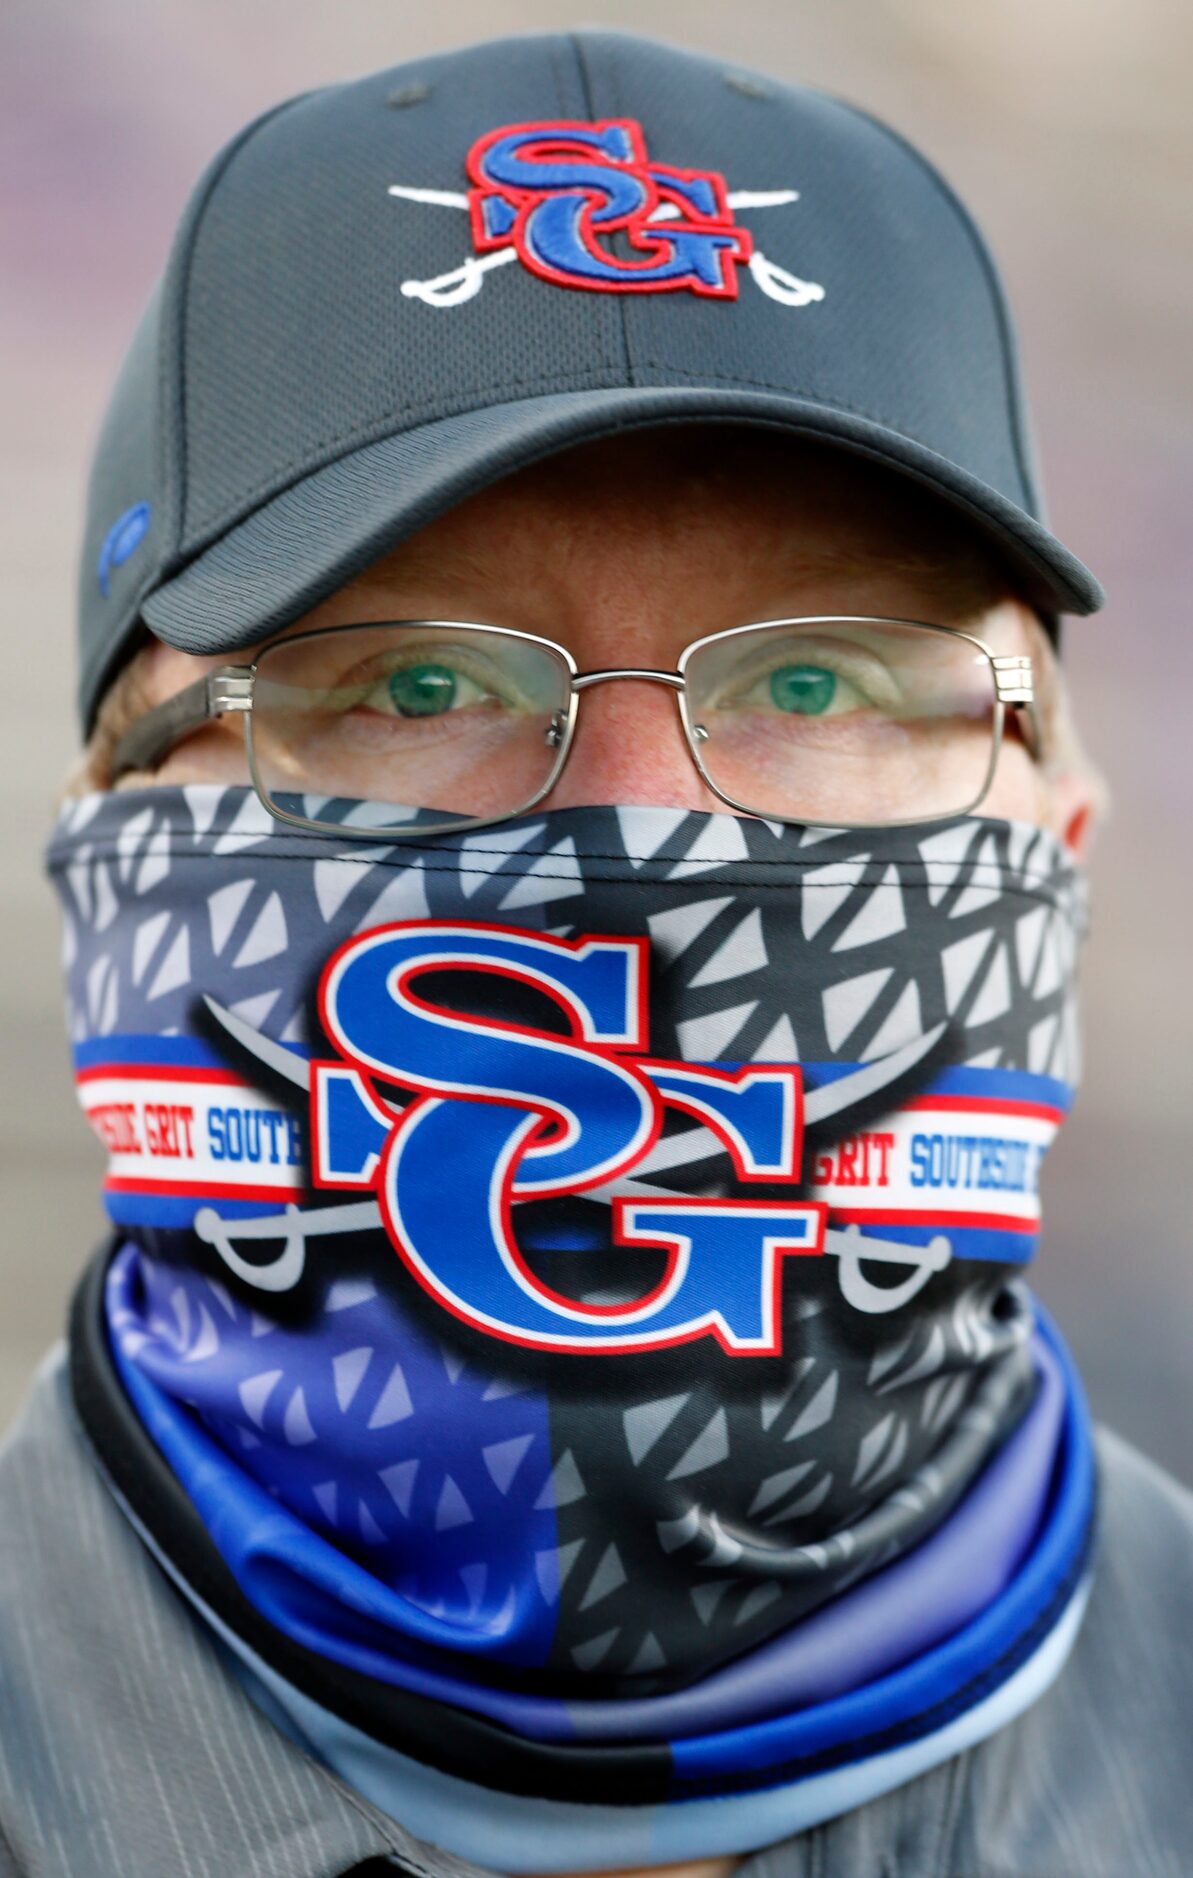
(463,282)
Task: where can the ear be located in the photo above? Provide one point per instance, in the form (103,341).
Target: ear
(1074,817)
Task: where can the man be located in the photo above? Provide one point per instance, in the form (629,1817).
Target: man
(571,899)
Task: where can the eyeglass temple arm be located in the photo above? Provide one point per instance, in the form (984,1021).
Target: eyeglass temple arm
(1015,686)
(147,741)
(1033,736)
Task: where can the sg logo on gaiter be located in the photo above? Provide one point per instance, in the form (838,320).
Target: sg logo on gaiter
(504,1113)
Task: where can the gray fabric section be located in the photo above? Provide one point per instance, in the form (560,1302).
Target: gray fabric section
(127,1750)
(1093,1782)
(300,345)
(127,468)
(297,548)
(288,346)
(138,455)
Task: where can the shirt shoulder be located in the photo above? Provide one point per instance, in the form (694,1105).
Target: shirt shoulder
(122,1730)
(126,1746)
(1094,1779)
(1090,1782)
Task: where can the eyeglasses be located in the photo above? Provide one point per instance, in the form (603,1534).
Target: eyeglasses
(840,722)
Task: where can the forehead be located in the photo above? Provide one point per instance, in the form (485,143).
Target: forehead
(712,500)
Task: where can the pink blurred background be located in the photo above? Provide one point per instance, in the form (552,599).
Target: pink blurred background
(1067,125)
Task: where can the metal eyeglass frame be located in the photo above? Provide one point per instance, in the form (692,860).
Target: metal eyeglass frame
(231,689)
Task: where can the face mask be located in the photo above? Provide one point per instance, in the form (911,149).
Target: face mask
(596,1240)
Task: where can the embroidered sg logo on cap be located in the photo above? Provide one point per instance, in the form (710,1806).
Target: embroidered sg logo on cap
(662,233)
(553,195)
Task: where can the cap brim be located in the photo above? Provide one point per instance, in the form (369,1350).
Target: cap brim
(313,536)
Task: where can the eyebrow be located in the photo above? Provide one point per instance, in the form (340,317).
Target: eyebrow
(414,560)
(963,585)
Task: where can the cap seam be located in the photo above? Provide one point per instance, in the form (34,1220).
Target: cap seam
(1010,359)
(620,309)
(345,443)
(813,393)
(825,401)
(348,444)
(561,45)
(174,330)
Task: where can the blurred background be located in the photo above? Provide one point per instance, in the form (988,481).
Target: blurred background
(1067,127)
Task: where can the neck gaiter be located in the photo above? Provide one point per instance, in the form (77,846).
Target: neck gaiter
(572,1272)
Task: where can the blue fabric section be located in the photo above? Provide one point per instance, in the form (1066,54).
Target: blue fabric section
(514,1832)
(366,1507)
(968,1242)
(585,1227)
(830,1674)
(168,1052)
(959,1671)
(172,1211)
(998,1085)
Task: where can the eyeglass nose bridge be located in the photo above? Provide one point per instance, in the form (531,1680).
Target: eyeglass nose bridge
(584,680)
(563,723)
(674,681)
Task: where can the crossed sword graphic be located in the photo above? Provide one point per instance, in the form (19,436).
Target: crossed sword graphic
(845,1244)
(464,282)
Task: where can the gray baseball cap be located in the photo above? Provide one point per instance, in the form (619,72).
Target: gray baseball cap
(386,294)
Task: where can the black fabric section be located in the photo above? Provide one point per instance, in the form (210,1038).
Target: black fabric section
(430,1732)
(648,1596)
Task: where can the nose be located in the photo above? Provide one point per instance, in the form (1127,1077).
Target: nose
(629,748)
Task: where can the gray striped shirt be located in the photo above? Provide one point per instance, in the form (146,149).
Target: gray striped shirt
(128,1749)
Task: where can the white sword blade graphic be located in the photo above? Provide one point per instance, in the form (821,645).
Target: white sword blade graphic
(464,282)
(297,1225)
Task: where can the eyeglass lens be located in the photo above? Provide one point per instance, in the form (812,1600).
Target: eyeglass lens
(844,721)
(831,721)
(434,716)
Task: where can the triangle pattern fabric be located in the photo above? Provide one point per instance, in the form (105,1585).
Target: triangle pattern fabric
(741,952)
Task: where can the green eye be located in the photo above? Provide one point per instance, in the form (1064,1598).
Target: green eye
(422,690)
(804,688)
